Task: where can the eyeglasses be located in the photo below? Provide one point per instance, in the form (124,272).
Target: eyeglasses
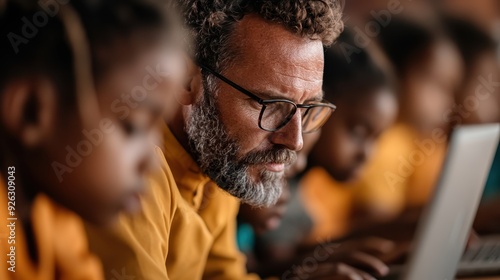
(276,113)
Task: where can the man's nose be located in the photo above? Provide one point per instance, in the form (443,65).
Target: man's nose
(290,136)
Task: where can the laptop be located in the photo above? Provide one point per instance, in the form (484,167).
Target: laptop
(446,221)
(483,259)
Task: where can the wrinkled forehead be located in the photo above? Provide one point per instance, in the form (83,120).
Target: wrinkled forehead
(258,40)
(271,53)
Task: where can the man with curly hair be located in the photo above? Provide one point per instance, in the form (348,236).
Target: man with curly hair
(255,86)
(272,50)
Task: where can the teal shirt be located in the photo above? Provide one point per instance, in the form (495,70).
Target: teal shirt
(492,187)
(245,238)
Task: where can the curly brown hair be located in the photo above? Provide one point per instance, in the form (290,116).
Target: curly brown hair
(212,23)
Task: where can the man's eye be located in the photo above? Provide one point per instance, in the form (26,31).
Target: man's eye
(254,104)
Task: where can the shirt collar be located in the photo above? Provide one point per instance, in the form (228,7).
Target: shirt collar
(187,174)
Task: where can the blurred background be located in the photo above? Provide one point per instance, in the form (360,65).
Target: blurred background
(403,74)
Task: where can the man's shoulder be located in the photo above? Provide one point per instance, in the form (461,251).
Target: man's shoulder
(218,208)
(161,182)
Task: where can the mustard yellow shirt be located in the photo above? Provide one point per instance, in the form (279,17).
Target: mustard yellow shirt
(60,243)
(187,229)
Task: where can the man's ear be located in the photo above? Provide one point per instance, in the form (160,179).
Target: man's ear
(28,110)
(192,83)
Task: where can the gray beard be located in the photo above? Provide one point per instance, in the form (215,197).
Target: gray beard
(217,156)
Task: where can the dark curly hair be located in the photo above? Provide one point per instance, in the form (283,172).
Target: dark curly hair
(212,23)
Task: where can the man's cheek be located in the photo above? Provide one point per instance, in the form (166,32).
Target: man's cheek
(246,142)
(244,126)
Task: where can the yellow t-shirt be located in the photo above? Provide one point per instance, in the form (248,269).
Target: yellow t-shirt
(60,240)
(187,229)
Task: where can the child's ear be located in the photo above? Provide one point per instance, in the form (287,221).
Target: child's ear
(191,86)
(28,110)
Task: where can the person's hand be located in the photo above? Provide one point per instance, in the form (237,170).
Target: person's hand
(353,259)
(364,254)
(474,240)
(399,255)
(327,271)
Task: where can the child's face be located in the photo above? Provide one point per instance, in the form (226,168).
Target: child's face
(430,85)
(348,138)
(479,98)
(101,169)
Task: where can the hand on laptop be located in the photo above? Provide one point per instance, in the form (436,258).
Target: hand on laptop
(474,240)
(335,271)
(356,259)
(399,255)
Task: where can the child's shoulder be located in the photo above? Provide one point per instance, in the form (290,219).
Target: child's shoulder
(59,237)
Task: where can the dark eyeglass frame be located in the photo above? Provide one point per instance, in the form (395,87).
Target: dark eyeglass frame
(265,103)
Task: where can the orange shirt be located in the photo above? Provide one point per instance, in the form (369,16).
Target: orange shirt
(187,229)
(328,203)
(60,243)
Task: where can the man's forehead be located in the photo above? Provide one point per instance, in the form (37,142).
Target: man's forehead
(255,36)
(275,61)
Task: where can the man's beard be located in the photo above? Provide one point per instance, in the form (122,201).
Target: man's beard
(217,155)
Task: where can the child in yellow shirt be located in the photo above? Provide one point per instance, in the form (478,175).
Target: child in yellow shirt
(78,99)
(367,106)
(403,172)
